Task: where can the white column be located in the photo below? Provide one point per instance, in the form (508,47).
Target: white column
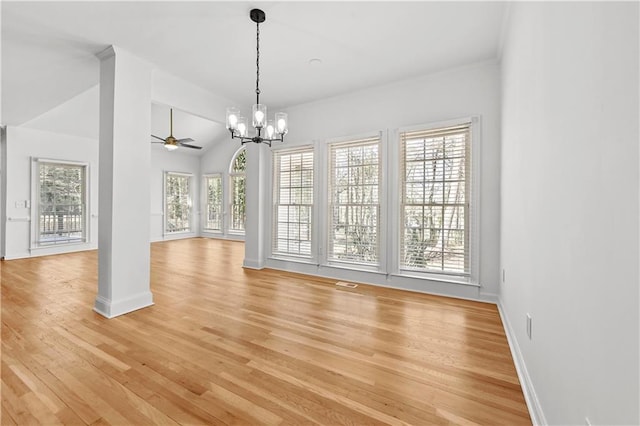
(256,204)
(124,193)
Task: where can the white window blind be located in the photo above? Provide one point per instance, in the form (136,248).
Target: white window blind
(237,179)
(354,201)
(177,202)
(293,202)
(213,220)
(435,208)
(61,203)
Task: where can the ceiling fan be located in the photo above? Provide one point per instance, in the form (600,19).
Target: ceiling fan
(172,143)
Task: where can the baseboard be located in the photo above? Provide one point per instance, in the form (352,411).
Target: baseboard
(530,396)
(488,297)
(49,251)
(111,309)
(252,264)
(216,236)
(406,283)
(178,236)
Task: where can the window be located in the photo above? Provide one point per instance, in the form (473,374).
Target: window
(293,202)
(213,202)
(62,210)
(354,193)
(435,174)
(237,178)
(177,195)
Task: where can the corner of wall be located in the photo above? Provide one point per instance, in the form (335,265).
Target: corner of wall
(530,396)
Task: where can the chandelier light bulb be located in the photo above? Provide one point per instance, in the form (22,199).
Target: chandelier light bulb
(242,126)
(232,118)
(259,115)
(281,123)
(171,147)
(271,130)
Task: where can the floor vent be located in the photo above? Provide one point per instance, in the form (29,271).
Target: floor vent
(343,284)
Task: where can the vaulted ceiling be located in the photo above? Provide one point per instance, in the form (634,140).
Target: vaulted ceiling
(48,48)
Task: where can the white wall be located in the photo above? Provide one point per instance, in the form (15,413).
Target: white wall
(450,95)
(3,188)
(217,160)
(164,161)
(77,120)
(170,90)
(569,229)
(181,94)
(21,145)
(79,116)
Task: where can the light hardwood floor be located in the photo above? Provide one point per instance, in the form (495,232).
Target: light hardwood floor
(225,345)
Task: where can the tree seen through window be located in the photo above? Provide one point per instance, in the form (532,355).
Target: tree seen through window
(238,188)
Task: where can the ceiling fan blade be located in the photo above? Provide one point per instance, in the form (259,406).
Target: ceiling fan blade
(158,142)
(185,140)
(157,137)
(186,145)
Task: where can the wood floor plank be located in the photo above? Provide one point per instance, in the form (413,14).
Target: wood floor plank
(224,345)
(14,407)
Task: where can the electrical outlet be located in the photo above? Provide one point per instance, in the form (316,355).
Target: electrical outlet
(529,326)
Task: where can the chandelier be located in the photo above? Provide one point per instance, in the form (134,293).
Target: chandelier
(266,131)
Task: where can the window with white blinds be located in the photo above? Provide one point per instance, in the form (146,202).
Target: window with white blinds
(354,201)
(238,179)
(293,202)
(435,208)
(213,187)
(61,197)
(177,193)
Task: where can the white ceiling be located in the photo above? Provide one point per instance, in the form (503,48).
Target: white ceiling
(205,133)
(48,48)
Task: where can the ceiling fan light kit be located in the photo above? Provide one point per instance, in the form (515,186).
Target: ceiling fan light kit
(274,130)
(171,143)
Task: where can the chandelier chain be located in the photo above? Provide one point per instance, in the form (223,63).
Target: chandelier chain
(257,62)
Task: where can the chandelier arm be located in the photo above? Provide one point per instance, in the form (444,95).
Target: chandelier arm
(256,139)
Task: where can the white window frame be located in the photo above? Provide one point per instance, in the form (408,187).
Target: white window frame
(381,265)
(232,175)
(277,154)
(473,211)
(205,202)
(189,203)
(34,203)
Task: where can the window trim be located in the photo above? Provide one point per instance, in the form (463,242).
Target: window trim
(274,217)
(165,221)
(35,203)
(205,203)
(473,278)
(231,175)
(381,233)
